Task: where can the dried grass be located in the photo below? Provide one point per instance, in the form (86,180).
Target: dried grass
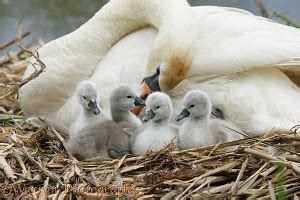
(35,164)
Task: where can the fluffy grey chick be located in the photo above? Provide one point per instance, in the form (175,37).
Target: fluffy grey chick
(122,100)
(159,131)
(88,97)
(199,130)
(109,138)
(105,139)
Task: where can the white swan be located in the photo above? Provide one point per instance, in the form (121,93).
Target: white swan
(239,59)
(159,131)
(199,130)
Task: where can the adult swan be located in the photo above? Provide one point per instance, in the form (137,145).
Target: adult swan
(247,64)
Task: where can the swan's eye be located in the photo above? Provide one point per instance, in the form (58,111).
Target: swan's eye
(157,107)
(129,97)
(84,97)
(192,106)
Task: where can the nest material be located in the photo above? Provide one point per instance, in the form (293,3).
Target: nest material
(35,164)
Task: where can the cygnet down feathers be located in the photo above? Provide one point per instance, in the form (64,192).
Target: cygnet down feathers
(199,130)
(159,131)
(108,138)
(88,98)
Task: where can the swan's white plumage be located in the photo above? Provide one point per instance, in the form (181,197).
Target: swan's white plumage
(231,44)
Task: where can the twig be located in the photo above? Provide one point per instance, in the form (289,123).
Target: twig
(288,192)
(9,43)
(260,154)
(273,159)
(209,173)
(252,178)
(34,75)
(59,137)
(117,167)
(6,168)
(294,129)
(45,171)
(261,8)
(84,177)
(217,145)
(271,190)
(269,171)
(239,177)
(16,154)
(285,19)
(43,195)
(218,189)
(214,157)
(290,165)
(206,182)
(265,143)
(227,144)
(171,195)
(292,158)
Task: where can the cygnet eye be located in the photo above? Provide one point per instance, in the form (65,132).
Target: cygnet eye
(157,107)
(192,106)
(129,97)
(84,97)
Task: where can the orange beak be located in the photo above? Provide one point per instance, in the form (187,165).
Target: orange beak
(145,92)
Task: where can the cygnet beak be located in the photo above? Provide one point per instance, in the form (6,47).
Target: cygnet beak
(149,115)
(139,101)
(94,107)
(149,84)
(184,113)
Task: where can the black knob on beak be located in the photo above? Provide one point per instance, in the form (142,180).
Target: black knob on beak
(149,115)
(152,81)
(94,107)
(139,101)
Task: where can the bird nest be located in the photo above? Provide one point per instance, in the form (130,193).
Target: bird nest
(35,164)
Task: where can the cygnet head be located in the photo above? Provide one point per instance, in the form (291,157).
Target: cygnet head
(124,98)
(87,96)
(196,105)
(159,107)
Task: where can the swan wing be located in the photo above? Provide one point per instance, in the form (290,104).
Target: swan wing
(231,41)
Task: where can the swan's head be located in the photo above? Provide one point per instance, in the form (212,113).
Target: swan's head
(159,107)
(88,96)
(166,68)
(196,105)
(124,98)
(166,75)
